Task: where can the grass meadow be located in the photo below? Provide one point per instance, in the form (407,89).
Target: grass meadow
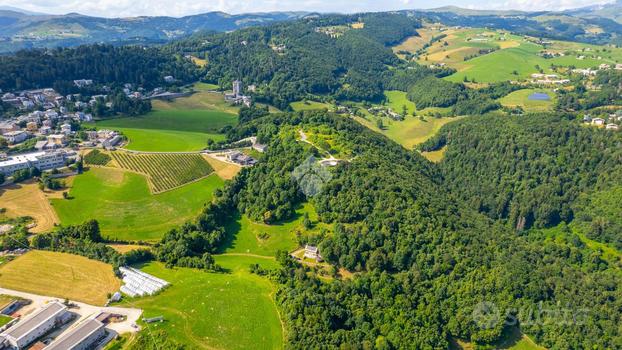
(230,310)
(126,209)
(39,272)
(184,124)
(521,99)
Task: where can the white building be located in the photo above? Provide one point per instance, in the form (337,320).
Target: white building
(611,126)
(598,121)
(83,82)
(34,326)
(82,337)
(13,137)
(39,160)
(312,252)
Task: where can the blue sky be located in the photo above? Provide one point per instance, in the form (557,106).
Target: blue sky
(123,8)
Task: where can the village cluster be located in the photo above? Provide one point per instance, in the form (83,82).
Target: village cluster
(555,79)
(609,123)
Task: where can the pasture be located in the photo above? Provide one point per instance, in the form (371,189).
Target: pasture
(309,106)
(231,310)
(60,275)
(184,124)
(126,209)
(513,57)
(521,98)
(26,199)
(164,171)
(247,237)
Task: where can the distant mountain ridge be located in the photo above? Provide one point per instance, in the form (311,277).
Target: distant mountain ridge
(19,29)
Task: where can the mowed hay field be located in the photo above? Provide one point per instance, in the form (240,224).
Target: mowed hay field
(164,171)
(184,124)
(226,171)
(231,310)
(126,209)
(26,199)
(60,275)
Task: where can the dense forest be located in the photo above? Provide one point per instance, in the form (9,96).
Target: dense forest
(104,64)
(426,256)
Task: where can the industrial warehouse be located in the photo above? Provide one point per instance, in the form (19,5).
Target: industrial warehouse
(26,331)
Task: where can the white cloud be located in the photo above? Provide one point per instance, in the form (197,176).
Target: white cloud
(124,8)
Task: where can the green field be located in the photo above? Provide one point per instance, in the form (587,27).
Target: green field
(5,319)
(521,99)
(232,310)
(515,57)
(126,209)
(245,236)
(164,171)
(309,106)
(184,124)
(396,100)
(148,140)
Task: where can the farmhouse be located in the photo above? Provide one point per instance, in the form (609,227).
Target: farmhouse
(80,338)
(138,283)
(34,326)
(312,252)
(240,158)
(39,160)
(611,126)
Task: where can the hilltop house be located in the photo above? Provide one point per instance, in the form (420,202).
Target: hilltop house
(312,252)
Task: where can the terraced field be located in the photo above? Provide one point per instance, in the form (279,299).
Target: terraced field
(165,171)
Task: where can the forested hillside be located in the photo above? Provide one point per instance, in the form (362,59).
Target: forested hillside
(426,259)
(104,64)
(527,169)
(290,61)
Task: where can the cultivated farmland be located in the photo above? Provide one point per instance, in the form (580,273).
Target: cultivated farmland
(121,202)
(165,171)
(60,275)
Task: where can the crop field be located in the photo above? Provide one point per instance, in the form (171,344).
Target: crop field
(60,275)
(165,171)
(26,199)
(96,157)
(126,209)
(231,310)
(521,99)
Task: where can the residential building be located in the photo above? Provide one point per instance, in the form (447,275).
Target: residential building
(8,127)
(58,139)
(312,252)
(240,158)
(14,137)
(82,337)
(83,82)
(598,121)
(32,327)
(612,126)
